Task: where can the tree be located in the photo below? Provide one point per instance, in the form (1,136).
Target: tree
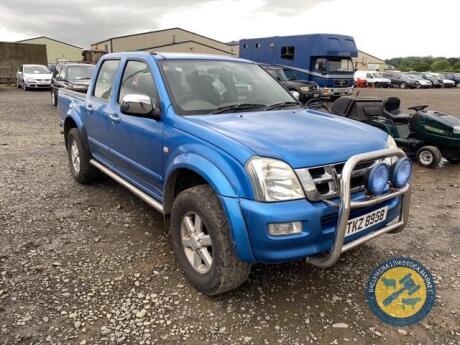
(440,65)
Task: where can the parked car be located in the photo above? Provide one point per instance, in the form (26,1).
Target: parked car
(445,82)
(372,78)
(305,89)
(33,77)
(455,77)
(435,80)
(72,76)
(403,80)
(247,173)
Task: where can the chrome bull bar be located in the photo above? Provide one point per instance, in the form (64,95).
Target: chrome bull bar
(346,205)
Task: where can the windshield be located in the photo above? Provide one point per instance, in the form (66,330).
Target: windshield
(79,72)
(36,69)
(203,86)
(340,65)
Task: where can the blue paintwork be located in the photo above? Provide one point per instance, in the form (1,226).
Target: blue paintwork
(307,49)
(217,147)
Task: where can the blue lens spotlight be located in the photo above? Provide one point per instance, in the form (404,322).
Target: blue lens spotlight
(402,172)
(377,179)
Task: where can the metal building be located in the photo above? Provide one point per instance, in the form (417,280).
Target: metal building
(368,62)
(56,50)
(170,40)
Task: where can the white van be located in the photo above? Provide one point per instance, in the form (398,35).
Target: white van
(373,78)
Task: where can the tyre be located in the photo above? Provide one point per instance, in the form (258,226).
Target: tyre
(24,86)
(54,98)
(429,157)
(402,85)
(17,84)
(202,242)
(79,156)
(457,85)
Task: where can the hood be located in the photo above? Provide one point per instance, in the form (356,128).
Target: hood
(302,138)
(298,83)
(37,76)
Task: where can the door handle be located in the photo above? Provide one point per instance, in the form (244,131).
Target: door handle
(115,118)
(89,108)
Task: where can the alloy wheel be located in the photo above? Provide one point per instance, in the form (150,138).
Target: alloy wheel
(196,242)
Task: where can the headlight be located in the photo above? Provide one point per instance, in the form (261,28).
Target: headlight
(273,180)
(305,88)
(391,143)
(456,129)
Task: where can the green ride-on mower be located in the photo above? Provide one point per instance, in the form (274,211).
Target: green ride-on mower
(424,135)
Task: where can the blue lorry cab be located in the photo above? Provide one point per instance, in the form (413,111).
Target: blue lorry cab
(323,58)
(244,172)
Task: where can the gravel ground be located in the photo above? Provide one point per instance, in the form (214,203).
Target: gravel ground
(93,264)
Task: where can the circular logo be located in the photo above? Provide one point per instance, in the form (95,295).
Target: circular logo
(401,291)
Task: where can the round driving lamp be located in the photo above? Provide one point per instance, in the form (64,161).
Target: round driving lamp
(402,172)
(377,179)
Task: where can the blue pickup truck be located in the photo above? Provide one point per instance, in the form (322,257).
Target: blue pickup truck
(243,171)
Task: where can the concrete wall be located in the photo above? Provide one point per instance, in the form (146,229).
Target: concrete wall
(14,54)
(57,51)
(172,39)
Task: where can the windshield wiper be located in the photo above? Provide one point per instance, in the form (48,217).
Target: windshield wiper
(281,105)
(238,106)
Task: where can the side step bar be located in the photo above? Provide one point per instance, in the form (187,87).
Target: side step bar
(136,191)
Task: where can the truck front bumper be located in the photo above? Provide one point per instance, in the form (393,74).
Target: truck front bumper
(322,239)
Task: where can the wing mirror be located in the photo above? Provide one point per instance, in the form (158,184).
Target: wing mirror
(141,105)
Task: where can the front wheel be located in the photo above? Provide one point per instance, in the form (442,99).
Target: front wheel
(429,157)
(24,86)
(402,85)
(202,242)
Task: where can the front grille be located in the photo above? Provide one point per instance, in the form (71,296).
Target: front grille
(324,182)
(340,82)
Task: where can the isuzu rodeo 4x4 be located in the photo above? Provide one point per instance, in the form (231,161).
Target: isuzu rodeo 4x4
(245,173)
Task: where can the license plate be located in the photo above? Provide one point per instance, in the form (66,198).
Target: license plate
(363,222)
(316,95)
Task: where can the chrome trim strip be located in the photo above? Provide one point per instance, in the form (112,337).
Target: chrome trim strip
(136,191)
(338,246)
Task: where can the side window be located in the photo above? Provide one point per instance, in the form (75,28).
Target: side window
(287,52)
(290,74)
(137,79)
(370,76)
(105,78)
(320,65)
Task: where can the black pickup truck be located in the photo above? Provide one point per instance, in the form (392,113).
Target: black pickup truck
(306,89)
(72,76)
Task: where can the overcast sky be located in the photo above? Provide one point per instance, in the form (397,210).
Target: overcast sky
(388,28)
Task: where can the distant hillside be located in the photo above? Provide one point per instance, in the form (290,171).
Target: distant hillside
(425,63)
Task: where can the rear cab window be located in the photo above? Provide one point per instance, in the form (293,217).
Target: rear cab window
(105,78)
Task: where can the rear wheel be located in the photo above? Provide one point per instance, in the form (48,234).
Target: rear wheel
(402,85)
(53,97)
(202,242)
(429,157)
(79,157)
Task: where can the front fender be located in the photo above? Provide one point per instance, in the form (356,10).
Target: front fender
(226,191)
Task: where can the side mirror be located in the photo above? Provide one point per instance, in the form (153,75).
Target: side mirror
(295,94)
(141,105)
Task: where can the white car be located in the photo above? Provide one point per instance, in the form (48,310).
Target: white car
(372,78)
(445,82)
(33,77)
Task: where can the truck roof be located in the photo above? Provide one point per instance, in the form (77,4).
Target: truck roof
(177,56)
